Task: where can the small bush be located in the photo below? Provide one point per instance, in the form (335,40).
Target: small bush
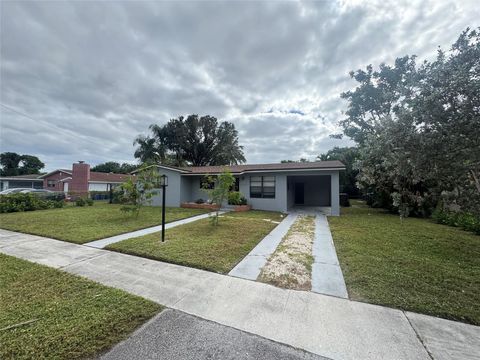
(89,201)
(26,202)
(200,201)
(466,221)
(80,201)
(58,204)
(236,198)
(344,200)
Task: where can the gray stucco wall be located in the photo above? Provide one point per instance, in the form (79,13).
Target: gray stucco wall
(335,193)
(196,190)
(173,189)
(279,203)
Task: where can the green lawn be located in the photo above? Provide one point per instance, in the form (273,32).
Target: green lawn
(84,224)
(202,245)
(74,318)
(414,264)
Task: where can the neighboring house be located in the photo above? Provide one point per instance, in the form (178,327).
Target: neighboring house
(78,180)
(276,187)
(21,181)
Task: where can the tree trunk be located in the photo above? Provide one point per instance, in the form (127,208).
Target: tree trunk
(476,180)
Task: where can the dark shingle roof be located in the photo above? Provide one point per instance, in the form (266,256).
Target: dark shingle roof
(26,177)
(106,177)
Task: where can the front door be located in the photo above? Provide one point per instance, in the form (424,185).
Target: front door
(299,193)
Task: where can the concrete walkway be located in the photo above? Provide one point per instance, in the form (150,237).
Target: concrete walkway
(102,243)
(324,325)
(250,267)
(327,276)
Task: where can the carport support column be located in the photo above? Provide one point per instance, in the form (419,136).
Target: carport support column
(335,193)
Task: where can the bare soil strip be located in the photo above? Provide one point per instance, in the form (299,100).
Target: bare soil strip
(290,266)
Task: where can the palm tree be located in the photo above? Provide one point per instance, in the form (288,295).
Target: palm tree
(147,150)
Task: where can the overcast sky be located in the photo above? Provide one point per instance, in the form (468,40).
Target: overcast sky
(91,76)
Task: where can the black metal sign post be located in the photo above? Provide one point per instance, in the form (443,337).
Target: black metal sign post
(164,184)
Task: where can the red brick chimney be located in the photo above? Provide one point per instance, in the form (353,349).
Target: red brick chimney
(80,178)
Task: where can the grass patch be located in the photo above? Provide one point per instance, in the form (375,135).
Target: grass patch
(75,317)
(413,264)
(204,246)
(83,224)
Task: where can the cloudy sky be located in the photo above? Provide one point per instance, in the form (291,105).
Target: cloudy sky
(80,80)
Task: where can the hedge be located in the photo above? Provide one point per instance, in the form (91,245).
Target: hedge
(464,220)
(27,202)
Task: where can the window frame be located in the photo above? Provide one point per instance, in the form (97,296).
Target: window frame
(263,194)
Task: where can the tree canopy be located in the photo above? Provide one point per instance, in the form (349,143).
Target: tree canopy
(194,140)
(348,156)
(418,129)
(115,167)
(13,164)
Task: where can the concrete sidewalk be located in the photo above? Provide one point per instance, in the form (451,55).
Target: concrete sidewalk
(102,243)
(332,327)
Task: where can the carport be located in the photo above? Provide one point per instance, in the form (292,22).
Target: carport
(309,191)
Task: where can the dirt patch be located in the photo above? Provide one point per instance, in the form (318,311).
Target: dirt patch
(290,266)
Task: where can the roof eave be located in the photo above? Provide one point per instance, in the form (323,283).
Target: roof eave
(167,167)
(267,171)
(53,172)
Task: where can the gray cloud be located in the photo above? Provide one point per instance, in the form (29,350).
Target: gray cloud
(93,75)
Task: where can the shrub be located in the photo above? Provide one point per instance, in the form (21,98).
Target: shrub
(26,202)
(80,201)
(236,198)
(344,201)
(89,201)
(464,220)
(200,201)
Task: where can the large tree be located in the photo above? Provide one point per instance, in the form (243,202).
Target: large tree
(380,93)
(115,167)
(418,128)
(348,156)
(194,140)
(13,164)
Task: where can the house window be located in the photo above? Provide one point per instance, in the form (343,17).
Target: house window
(51,183)
(262,187)
(207,182)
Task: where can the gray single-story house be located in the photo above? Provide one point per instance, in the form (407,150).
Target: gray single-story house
(276,187)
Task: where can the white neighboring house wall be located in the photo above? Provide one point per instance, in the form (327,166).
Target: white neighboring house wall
(101,186)
(97,187)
